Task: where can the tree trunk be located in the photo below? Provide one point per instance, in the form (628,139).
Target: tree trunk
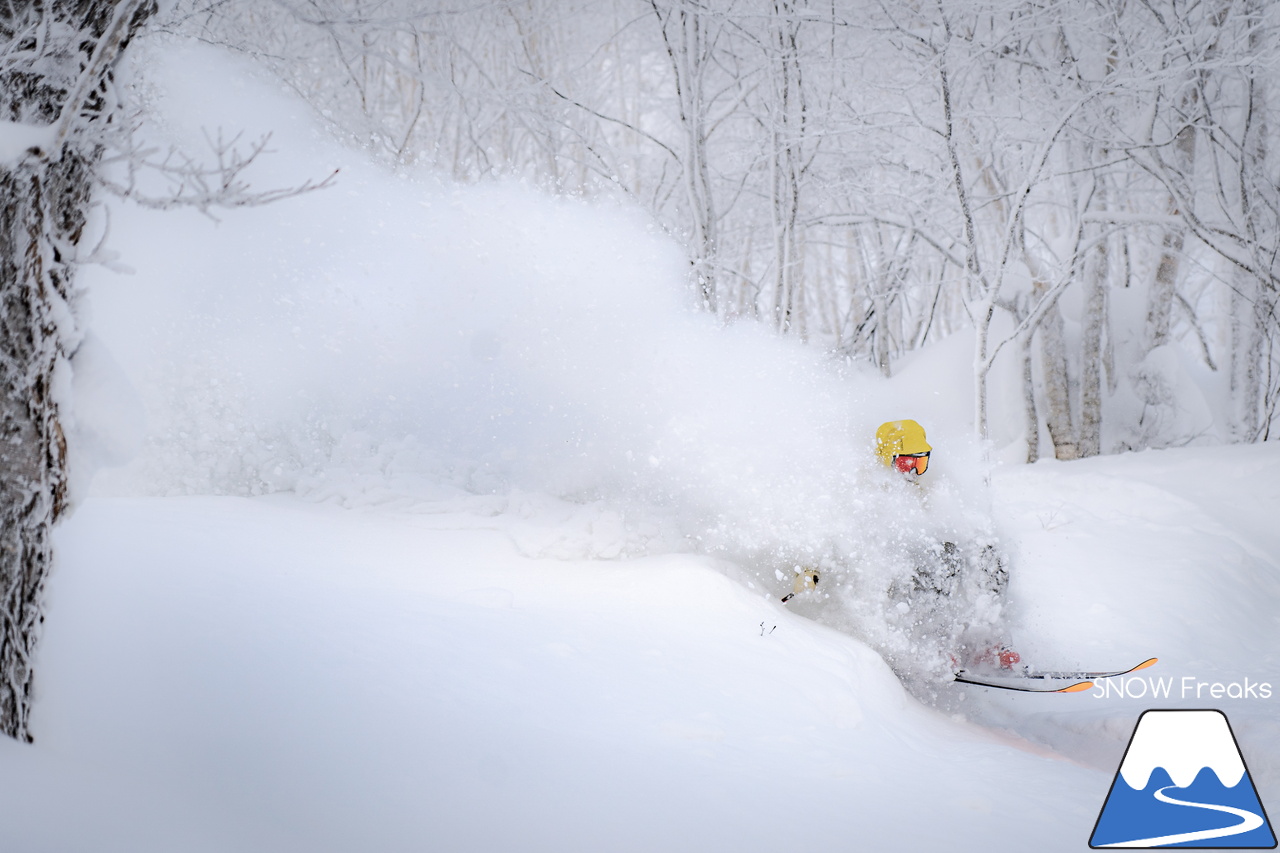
(1031,417)
(43,199)
(689,49)
(1057,385)
(1247,334)
(982,367)
(34,284)
(788,129)
(1164,287)
(1096,269)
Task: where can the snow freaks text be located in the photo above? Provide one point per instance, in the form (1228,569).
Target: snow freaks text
(1186,687)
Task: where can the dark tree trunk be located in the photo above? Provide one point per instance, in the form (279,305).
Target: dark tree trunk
(44,197)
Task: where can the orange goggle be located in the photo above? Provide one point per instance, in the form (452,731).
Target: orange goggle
(906,463)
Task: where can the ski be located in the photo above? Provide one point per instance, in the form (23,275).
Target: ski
(1080,680)
(963,678)
(1081,674)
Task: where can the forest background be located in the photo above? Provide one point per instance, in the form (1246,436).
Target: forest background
(1087,189)
(1079,198)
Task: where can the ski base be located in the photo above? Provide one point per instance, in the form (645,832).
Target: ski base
(1078,686)
(1081,680)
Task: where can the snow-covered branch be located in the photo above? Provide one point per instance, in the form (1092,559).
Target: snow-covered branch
(217,181)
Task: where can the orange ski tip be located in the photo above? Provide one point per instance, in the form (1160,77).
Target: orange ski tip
(1145,664)
(1076,688)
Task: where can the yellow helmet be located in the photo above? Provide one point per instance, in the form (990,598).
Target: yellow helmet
(902,445)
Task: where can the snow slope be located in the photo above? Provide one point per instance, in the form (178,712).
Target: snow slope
(451,526)
(275,674)
(1165,553)
(289,676)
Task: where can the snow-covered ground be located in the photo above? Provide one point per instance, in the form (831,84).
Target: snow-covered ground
(290,677)
(225,673)
(447,524)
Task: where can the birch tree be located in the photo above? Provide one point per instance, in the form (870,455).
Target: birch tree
(1000,126)
(691,32)
(1207,152)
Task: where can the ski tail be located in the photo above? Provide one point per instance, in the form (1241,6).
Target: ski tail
(1075,688)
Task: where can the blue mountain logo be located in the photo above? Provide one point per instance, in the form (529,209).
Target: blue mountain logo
(1183,783)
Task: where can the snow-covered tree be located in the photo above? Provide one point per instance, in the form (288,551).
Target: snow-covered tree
(65,133)
(872,176)
(57,100)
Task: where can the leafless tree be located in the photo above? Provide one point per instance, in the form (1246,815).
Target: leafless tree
(869,175)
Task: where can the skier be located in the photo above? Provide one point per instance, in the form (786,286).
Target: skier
(902,446)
